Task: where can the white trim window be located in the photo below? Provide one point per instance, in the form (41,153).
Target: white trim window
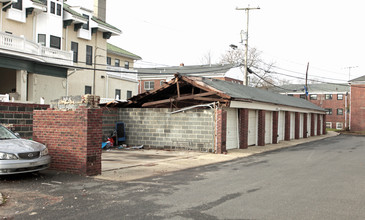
(328,124)
(339,125)
(149,85)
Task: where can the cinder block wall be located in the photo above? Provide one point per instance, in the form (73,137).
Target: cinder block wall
(20,116)
(72,137)
(157,128)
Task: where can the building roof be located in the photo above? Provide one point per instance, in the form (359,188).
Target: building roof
(312,88)
(184,91)
(121,52)
(194,69)
(241,92)
(359,79)
(68,8)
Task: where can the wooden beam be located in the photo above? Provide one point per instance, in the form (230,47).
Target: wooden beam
(181,98)
(210,99)
(178,88)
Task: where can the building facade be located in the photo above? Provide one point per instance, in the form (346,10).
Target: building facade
(334,98)
(50,49)
(357,105)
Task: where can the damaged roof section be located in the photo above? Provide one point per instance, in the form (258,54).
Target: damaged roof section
(184,91)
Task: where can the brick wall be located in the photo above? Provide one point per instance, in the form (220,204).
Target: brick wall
(73,138)
(287,126)
(221,131)
(243,129)
(261,128)
(357,108)
(275,127)
(20,116)
(157,128)
(297,125)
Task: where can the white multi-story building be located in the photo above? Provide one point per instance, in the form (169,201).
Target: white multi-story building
(49,49)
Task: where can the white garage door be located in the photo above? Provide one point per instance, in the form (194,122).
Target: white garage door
(281,126)
(268,127)
(292,125)
(252,127)
(301,124)
(232,129)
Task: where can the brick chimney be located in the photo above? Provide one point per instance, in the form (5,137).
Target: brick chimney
(100,9)
(182,64)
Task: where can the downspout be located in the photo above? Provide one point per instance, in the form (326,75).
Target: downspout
(215,129)
(1,15)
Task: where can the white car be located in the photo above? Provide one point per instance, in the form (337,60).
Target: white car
(20,155)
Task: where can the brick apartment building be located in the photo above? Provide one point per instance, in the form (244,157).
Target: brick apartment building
(357,105)
(334,98)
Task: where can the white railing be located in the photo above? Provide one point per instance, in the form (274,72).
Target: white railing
(122,73)
(50,55)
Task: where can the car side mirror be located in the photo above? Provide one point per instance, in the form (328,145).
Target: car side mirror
(17,134)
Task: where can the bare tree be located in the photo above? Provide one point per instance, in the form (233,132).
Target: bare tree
(262,76)
(207,58)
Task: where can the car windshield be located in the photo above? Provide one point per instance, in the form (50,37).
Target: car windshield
(6,134)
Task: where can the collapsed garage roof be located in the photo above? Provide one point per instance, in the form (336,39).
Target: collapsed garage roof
(185,91)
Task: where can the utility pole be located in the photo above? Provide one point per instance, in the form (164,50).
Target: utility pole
(306,82)
(245,76)
(350,67)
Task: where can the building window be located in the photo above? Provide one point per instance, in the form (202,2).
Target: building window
(86,26)
(162,82)
(89,55)
(339,125)
(290,94)
(117,94)
(117,62)
(129,94)
(126,64)
(313,97)
(340,111)
(59,9)
(75,49)
(328,124)
(53,8)
(149,85)
(42,39)
(55,42)
(87,90)
(18,5)
(109,61)
(328,111)
(339,96)
(328,96)
(302,96)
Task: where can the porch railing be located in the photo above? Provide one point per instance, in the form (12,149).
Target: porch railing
(29,48)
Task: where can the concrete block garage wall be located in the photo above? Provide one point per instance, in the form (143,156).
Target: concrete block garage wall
(157,128)
(20,116)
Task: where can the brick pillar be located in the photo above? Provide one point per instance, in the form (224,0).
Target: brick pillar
(297,125)
(243,128)
(72,137)
(287,126)
(318,124)
(275,127)
(324,124)
(305,125)
(261,128)
(312,124)
(221,130)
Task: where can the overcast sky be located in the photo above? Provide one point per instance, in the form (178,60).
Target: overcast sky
(329,34)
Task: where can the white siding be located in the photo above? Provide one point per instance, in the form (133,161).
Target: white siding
(281,126)
(292,125)
(301,123)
